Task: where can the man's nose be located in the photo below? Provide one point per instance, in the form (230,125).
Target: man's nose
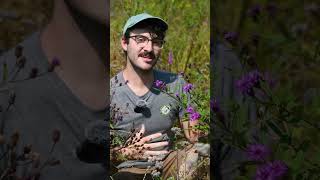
(149,46)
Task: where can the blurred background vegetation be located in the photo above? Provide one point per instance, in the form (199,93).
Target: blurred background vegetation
(288,33)
(19,18)
(281,38)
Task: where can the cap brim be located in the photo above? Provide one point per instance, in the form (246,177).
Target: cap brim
(153,20)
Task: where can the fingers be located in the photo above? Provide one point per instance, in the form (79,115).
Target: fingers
(156,158)
(155,145)
(156,153)
(150,137)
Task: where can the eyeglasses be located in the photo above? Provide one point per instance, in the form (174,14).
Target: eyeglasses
(142,41)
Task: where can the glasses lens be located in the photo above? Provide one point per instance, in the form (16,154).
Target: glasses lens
(157,43)
(141,39)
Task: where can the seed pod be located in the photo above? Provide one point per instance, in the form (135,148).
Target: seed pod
(14,139)
(2,139)
(18,51)
(27,149)
(55,135)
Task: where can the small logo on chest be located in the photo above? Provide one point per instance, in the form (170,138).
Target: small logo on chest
(165,109)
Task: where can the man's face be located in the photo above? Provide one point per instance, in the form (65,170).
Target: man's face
(142,53)
(96,9)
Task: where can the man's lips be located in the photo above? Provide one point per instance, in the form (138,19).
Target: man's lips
(147,58)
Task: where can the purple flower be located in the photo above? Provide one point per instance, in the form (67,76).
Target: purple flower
(263,173)
(187,88)
(194,116)
(170,58)
(214,106)
(231,37)
(258,152)
(271,171)
(159,84)
(190,109)
(254,12)
(55,61)
(248,82)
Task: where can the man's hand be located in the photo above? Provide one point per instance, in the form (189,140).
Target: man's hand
(189,131)
(137,146)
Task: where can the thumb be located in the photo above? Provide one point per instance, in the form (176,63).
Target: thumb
(142,130)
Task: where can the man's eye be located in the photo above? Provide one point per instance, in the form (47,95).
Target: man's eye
(140,39)
(157,42)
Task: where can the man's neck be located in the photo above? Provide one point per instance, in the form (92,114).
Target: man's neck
(137,78)
(79,51)
(76,47)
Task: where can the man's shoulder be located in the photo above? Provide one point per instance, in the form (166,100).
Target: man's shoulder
(174,82)
(168,77)
(116,79)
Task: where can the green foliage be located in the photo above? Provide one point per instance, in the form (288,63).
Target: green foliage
(287,113)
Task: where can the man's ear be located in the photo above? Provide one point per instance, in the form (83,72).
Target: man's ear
(124,43)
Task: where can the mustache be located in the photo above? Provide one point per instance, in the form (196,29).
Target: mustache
(148,54)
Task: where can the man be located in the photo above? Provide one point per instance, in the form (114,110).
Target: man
(137,95)
(71,98)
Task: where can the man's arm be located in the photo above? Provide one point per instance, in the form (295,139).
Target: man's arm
(189,130)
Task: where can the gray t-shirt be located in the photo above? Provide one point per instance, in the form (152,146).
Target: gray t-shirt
(41,105)
(159,113)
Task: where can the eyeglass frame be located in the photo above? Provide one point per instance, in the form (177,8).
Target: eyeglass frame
(134,38)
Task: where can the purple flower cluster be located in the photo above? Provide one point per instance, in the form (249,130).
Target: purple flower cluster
(187,88)
(55,61)
(190,109)
(246,84)
(159,84)
(258,152)
(193,115)
(271,171)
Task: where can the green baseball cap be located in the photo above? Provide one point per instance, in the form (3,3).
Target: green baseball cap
(133,20)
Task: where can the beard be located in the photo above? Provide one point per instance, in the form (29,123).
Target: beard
(136,65)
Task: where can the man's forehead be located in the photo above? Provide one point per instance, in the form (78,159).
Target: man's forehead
(143,31)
